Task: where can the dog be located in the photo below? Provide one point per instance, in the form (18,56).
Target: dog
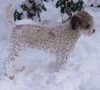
(59,40)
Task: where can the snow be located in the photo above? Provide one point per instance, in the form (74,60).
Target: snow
(82,70)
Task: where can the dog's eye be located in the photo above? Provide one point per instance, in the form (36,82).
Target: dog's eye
(87,26)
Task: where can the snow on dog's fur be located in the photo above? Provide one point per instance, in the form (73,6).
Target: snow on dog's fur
(59,40)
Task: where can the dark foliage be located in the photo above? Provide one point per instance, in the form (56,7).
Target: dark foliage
(67,7)
(33,9)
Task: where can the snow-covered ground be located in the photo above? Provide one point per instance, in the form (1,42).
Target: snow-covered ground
(82,71)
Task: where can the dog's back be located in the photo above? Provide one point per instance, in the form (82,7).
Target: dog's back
(55,39)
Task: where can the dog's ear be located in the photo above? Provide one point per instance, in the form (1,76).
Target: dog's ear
(74,21)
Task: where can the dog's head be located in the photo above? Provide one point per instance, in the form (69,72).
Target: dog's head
(83,22)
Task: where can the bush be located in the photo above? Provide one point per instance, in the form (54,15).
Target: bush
(97,6)
(68,6)
(33,9)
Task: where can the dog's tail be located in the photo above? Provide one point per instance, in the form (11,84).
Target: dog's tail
(8,17)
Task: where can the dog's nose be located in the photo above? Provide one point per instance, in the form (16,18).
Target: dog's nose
(93,30)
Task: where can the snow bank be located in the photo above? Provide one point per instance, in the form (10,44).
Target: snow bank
(82,71)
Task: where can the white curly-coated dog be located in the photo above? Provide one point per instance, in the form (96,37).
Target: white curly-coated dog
(59,40)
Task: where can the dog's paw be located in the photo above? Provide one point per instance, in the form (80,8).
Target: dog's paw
(20,69)
(10,76)
(52,67)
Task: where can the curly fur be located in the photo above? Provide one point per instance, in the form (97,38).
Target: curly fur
(59,40)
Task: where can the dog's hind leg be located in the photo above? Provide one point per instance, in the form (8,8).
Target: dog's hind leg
(10,62)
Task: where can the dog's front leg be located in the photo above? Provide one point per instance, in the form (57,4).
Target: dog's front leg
(61,61)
